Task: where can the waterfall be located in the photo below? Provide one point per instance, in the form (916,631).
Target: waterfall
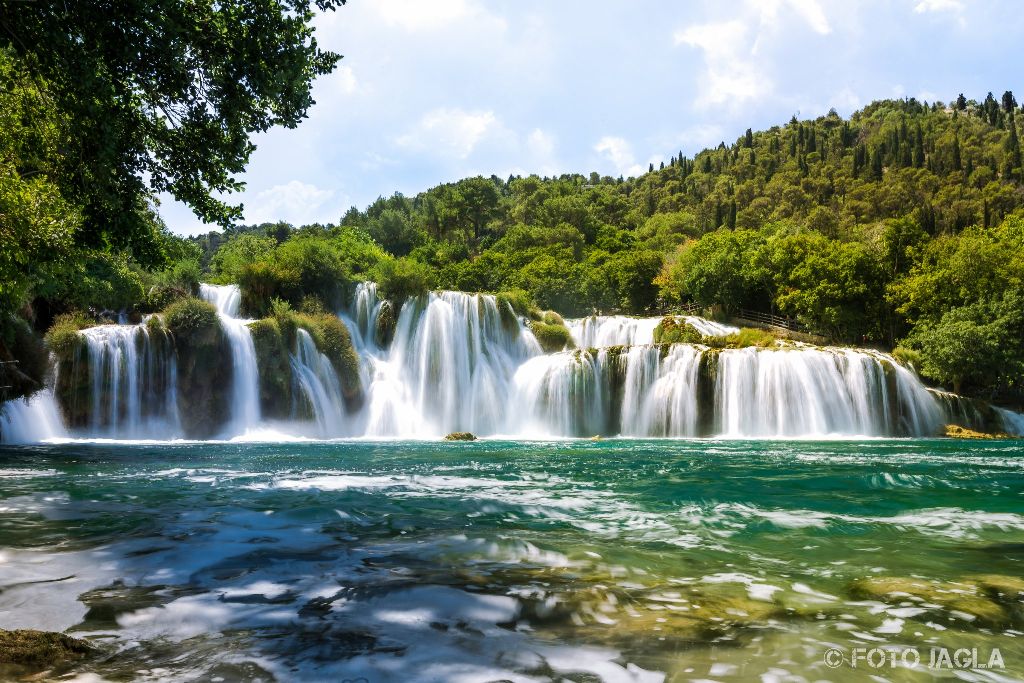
(31,420)
(448,369)
(1013,423)
(318,383)
(660,397)
(602,331)
(452,361)
(133,383)
(819,392)
(245,396)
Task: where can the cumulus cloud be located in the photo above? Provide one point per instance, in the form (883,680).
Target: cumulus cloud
(619,153)
(733,72)
(295,202)
(450,131)
(939,6)
(417,16)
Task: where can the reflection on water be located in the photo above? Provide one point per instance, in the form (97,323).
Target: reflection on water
(612,560)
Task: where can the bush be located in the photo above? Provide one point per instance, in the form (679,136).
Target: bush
(746,337)
(399,279)
(671,331)
(551,337)
(62,338)
(907,356)
(520,301)
(190,316)
(275,368)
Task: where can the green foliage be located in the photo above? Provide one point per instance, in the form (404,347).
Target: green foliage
(272,358)
(191,318)
(520,302)
(310,263)
(62,338)
(402,278)
(178,113)
(746,337)
(552,336)
(672,331)
(975,346)
(232,257)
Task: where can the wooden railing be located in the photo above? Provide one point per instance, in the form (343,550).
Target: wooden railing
(771,319)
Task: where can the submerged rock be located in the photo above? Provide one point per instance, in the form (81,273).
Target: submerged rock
(987,601)
(26,651)
(958,432)
(460,436)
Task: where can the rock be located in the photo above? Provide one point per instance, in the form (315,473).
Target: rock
(987,601)
(27,651)
(460,436)
(958,432)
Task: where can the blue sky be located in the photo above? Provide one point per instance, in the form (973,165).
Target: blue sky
(436,90)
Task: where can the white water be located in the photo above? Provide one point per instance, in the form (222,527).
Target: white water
(1013,423)
(134,384)
(601,331)
(245,383)
(448,368)
(32,420)
(319,385)
(459,363)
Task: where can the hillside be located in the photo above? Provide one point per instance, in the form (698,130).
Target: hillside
(896,226)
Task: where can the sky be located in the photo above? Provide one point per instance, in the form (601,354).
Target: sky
(431,91)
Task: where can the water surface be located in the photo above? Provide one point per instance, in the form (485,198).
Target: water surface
(569,560)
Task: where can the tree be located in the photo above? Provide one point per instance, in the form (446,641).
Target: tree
(162,96)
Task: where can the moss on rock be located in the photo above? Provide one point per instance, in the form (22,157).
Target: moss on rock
(460,436)
(985,601)
(204,367)
(671,331)
(275,368)
(24,651)
(551,333)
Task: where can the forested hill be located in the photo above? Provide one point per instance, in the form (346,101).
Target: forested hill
(894,226)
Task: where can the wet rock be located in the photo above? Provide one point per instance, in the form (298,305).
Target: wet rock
(460,436)
(24,651)
(985,601)
(958,432)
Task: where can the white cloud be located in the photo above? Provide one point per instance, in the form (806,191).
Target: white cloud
(808,10)
(845,101)
(540,144)
(295,201)
(939,6)
(450,132)
(620,153)
(731,73)
(346,80)
(419,16)
(734,71)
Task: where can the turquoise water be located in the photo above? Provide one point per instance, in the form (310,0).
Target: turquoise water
(574,560)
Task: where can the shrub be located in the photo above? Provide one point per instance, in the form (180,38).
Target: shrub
(520,302)
(671,331)
(551,337)
(191,316)
(399,279)
(62,338)
(907,356)
(746,337)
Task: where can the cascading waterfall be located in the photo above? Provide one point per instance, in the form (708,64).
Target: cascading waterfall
(32,420)
(133,383)
(602,331)
(465,362)
(448,368)
(1013,423)
(245,397)
(319,386)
